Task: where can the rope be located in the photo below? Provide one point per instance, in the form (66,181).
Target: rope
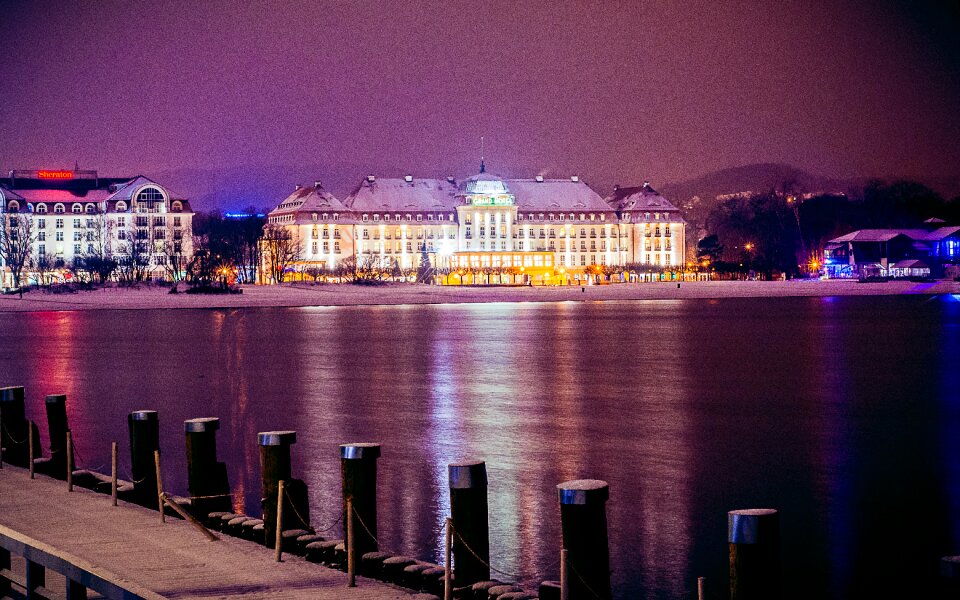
(367,529)
(10,436)
(334,524)
(485,563)
(227,495)
(296,512)
(135,481)
(584,581)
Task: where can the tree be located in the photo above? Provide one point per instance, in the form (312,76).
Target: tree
(280,250)
(424,269)
(709,249)
(45,266)
(16,246)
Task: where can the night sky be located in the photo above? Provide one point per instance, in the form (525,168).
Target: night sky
(614,92)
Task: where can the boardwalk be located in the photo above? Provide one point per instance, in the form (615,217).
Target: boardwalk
(170,559)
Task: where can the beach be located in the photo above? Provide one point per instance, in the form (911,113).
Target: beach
(299,295)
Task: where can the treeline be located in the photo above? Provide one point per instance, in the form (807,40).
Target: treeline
(783,232)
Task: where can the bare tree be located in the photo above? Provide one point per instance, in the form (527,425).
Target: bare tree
(280,250)
(176,263)
(16,246)
(44,266)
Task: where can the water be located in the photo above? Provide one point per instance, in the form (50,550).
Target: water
(841,412)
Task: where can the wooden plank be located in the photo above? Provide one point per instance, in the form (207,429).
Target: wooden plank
(83,537)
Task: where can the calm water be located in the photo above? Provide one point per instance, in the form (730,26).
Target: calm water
(843,413)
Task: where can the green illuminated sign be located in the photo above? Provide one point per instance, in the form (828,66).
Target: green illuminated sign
(502,200)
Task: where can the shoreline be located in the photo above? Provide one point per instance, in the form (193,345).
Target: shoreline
(331,295)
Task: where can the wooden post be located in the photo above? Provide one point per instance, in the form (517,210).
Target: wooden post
(358,468)
(69,461)
(564,576)
(14,427)
(76,590)
(189,518)
(144,427)
(278,543)
(583,520)
(113,473)
(274,466)
(30,446)
(701,588)
(351,541)
(1,441)
(56,405)
(156,460)
(468,510)
(754,544)
(448,577)
(36,578)
(205,476)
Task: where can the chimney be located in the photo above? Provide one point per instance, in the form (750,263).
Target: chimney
(371,178)
(296,187)
(646,184)
(539,178)
(616,187)
(450,179)
(317,183)
(574,178)
(408,178)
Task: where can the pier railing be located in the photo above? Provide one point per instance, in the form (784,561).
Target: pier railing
(80,575)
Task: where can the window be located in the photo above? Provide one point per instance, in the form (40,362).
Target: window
(76,222)
(313,247)
(562,216)
(326,247)
(148,199)
(76,248)
(58,208)
(59,223)
(42,208)
(176,221)
(42,236)
(396,217)
(121,221)
(176,206)
(42,249)
(336,247)
(336,216)
(364,217)
(376,217)
(59,236)
(76,208)
(89,209)
(430,217)
(41,223)
(121,206)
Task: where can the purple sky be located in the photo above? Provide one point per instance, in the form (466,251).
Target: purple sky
(625,92)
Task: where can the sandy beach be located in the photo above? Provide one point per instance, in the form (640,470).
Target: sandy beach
(293,295)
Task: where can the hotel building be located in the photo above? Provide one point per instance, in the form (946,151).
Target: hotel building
(77,213)
(551,229)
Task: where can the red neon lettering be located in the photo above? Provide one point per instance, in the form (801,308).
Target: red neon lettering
(55,174)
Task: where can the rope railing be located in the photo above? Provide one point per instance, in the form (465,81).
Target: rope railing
(293,505)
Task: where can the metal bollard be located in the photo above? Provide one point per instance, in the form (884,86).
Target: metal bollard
(144,426)
(583,519)
(274,466)
(358,468)
(205,475)
(469,513)
(754,544)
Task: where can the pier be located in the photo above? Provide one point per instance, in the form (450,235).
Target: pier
(128,546)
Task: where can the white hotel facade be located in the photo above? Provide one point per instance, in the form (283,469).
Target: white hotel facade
(559,225)
(76,213)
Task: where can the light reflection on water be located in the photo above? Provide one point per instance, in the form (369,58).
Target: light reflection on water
(843,413)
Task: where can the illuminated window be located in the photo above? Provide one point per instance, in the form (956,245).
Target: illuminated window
(375,217)
(176,206)
(42,208)
(58,208)
(149,198)
(336,216)
(364,217)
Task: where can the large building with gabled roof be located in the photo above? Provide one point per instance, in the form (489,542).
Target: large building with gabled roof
(543,230)
(76,213)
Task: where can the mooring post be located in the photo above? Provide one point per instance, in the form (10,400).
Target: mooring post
(351,541)
(469,514)
(583,520)
(144,428)
(358,468)
(447,563)
(15,429)
(30,447)
(69,443)
(56,405)
(274,466)
(754,544)
(205,476)
(113,473)
(278,541)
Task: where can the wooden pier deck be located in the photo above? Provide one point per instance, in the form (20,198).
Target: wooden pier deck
(128,543)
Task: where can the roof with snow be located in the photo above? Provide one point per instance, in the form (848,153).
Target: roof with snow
(376,194)
(885,235)
(306,201)
(555,194)
(641,199)
(85,188)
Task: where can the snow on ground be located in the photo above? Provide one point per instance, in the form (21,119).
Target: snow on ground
(354,295)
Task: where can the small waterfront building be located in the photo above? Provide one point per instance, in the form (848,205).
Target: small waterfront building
(489,229)
(73,214)
(892,253)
